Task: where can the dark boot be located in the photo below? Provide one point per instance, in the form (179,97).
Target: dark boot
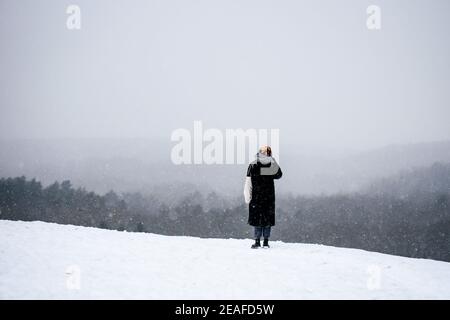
(257,244)
(266,243)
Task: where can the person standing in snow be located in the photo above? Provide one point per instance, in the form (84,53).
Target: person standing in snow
(259,194)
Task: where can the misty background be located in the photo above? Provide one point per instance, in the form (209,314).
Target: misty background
(360,112)
(144,68)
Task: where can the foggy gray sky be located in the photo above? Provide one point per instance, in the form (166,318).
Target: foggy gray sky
(145,68)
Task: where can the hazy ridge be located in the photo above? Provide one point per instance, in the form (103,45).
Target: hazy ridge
(144,165)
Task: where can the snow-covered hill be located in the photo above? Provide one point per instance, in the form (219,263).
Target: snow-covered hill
(43,260)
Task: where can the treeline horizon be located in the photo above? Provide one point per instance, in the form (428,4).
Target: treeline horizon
(414,224)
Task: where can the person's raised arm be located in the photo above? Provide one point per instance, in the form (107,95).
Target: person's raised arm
(279,173)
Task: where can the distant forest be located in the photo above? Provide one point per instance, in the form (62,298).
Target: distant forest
(407,214)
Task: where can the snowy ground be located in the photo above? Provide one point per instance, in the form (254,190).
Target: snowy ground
(49,261)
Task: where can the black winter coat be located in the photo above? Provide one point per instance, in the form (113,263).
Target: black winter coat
(262,204)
